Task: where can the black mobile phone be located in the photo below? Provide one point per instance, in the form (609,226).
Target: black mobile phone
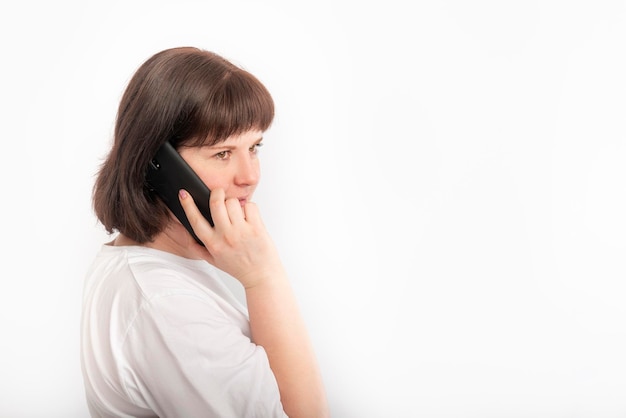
(167,174)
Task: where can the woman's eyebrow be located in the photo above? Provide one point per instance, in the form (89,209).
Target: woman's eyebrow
(221,145)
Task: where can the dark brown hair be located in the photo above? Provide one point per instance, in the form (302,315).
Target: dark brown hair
(187,96)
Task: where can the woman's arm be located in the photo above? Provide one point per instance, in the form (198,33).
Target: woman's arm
(240,245)
(277,326)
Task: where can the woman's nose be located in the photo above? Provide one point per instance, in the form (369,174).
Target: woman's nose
(247,171)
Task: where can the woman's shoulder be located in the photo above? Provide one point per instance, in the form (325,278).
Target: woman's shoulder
(156,272)
(132,279)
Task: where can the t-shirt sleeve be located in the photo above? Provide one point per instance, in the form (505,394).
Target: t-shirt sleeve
(186,358)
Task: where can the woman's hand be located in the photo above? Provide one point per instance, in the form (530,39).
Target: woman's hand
(238,243)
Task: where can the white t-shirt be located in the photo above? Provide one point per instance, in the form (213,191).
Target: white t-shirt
(163,336)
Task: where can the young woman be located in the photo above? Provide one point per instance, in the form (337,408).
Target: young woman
(161,334)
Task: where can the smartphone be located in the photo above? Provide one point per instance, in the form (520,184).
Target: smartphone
(167,174)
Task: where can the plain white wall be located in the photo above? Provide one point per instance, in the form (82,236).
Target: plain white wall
(445,181)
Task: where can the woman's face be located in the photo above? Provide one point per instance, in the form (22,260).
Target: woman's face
(232,165)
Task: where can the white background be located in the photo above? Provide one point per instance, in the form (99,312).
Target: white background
(445,181)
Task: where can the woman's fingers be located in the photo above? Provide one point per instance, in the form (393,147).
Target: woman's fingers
(251,213)
(225,211)
(218,210)
(198,222)
(235,211)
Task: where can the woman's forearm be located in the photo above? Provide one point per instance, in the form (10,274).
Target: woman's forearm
(278,327)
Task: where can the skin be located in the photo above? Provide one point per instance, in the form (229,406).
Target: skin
(240,245)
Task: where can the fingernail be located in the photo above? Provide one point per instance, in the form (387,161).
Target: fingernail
(182,194)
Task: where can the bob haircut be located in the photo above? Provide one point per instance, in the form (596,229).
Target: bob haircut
(188,96)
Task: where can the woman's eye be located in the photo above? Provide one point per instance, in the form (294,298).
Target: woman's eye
(255,148)
(222,155)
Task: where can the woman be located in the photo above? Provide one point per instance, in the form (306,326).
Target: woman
(161,335)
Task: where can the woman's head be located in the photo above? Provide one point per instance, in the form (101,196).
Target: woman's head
(189,97)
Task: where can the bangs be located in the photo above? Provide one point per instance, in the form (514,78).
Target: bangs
(237,103)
